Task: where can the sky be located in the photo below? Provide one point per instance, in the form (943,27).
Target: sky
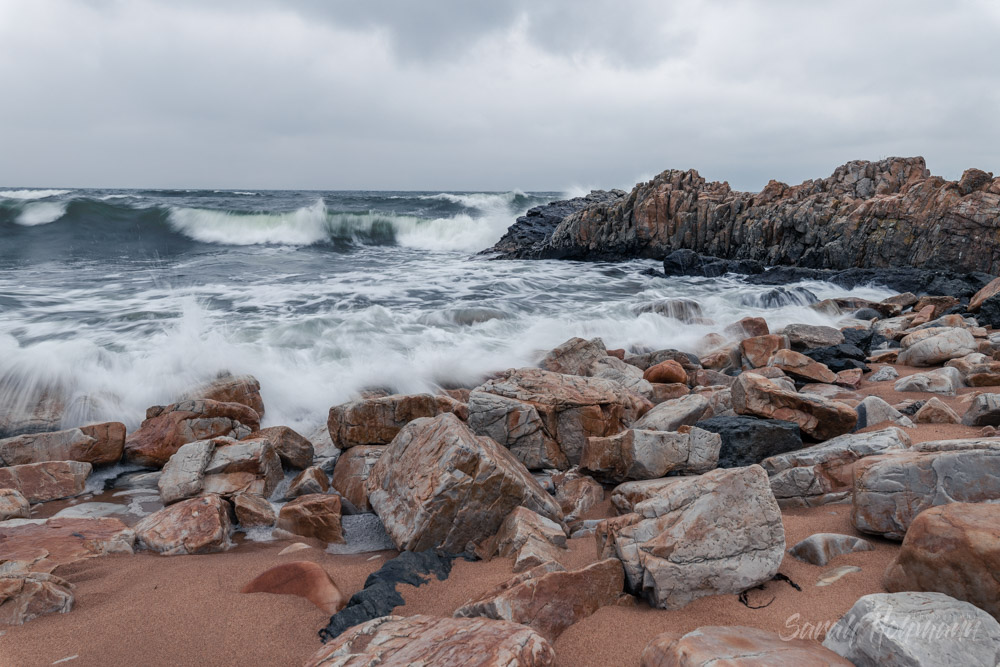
(461,95)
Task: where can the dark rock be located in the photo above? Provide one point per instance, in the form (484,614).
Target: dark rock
(866,340)
(749,440)
(989,312)
(780,296)
(910,409)
(867,314)
(839,357)
(689,263)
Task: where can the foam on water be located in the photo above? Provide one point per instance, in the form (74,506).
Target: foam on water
(41,213)
(32,194)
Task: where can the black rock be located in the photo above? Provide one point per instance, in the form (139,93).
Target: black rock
(918,281)
(749,440)
(864,339)
(689,263)
(867,314)
(839,357)
(780,296)
(989,312)
(913,408)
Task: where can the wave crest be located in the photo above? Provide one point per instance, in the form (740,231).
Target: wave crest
(32,194)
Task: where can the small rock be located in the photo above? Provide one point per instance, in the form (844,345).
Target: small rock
(315,515)
(946,381)
(350,476)
(749,440)
(304,579)
(253,511)
(312,480)
(294,450)
(821,548)
(737,646)
(671,415)
(809,336)
(873,410)
(193,526)
(936,346)
(984,411)
(13,505)
(884,374)
(376,421)
(666,372)
(934,411)
(834,575)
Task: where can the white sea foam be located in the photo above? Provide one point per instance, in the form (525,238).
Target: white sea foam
(32,194)
(41,213)
(303,226)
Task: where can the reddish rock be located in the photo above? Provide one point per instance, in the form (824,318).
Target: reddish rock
(748,327)
(376,421)
(350,476)
(63,540)
(667,392)
(194,526)
(802,367)
(302,578)
(850,378)
(242,389)
(938,305)
(617,354)
(50,480)
(818,417)
(27,595)
(166,428)
(666,372)
(992,288)
(736,645)
(294,450)
(316,515)
(98,444)
(757,351)
(13,505)
(253,511)
(935,411)
(607,530)
(309,481)
(531,538)
(442,642)
(577,495)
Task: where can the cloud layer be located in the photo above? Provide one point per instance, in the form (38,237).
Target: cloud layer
(508,94)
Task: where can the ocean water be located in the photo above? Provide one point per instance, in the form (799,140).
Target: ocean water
(115,300)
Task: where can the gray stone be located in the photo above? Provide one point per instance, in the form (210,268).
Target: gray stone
(184,474)
(645,454)
(809,336)
(873,410)
(884,374)
(984,411)
(946,381)
(821,548)
(671,415)
(936,347)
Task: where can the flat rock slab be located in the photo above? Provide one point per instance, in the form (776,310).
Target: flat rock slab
(59,541)
(49,480)
(714,646)
(98,444)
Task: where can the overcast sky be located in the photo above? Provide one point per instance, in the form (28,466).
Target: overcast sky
(502,94)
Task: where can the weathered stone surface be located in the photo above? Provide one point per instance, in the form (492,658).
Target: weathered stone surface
(442,642)
(50,480)
(25,596)
(717,533)
(952,549)
(946,381)
(577,494)
(294,450)
(310,480)
(915,630)
(809,336)
(252,511)
(629,494)
(575,356)
(646,454)
(301,578)
(350,476)
(98,444)
(671,415)
(816,417)
(757,352)
(824,473)
(545,418)
(749,440)
(667,392)
(884,374)
(984,411)
(666,372)
(466,487)
(991,289)
(529,537)
(184,473)
(13,505)
(63,540)
(376,421)
(944,344)
(747,327)
(737,646)
(939,303)
(627,375)
(800,366)
(166,428)
(850,378)
(316,515)
(873,410)
(821,548)
(892,489)
(193,526)
(647,359)
(551,602)
(227,388)
(249,465)
(934,411)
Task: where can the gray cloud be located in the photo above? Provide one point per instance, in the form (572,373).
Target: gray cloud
(460,95)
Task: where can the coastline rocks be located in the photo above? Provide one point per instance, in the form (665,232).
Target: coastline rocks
(166,428)
(717,533)
(45,545)
(221,466)
(839,358)
(350,475)
(801,367)
(817,417)
(301,578)
(809,336)
(945,381)
(25,596)
(821,548)
(577,494)
(227,388)
(294,450)
(467,487)
(574,357)
(253,511)
(984,411)
(884,374)
(315,515)
(737,646)
(756,352)
(49,480)
(934,411)
(915,629)
(431,640)
(671,415)
(98,444)
(952,549)
(550,602)
(194,526)
(892,489)
(991,289)
(544,418)
(532,539)
(666,372)
(376,421)
(13,505)
(873,410)
(749,440)
(647,454)
(310,480)
(941,345)
(184,473)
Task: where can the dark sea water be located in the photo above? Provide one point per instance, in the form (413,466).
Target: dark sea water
(116,300)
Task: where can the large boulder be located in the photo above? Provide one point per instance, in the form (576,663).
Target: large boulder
(194,526)
(228,388)
(166,428)
(550,602)
(821,548)
(984,411)
(294,450)
(645,454)
(915,630)
(946,381)
(874,410)
(952,549)
(824,473)
(931,347)
(574,357)
(314,515)
(736,646)
(350,475)
(717,533)
(432,640)
(749,440)
(98,444)
(49,480)
(545,418)
(376,421)
(810,336)
(221,466)
(467,486)
(671,415)
(817,417)
(801,367)
(892,489)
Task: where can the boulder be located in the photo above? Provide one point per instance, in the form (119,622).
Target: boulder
(183,475)
(577,494)
(545,418)
(940,346)
(915,630)
(467,487)
(984,411)
(671,415)
(884,374)
(647,359)
(98,444)
(376,421)
(850,378)
(25,596)
(310,480)
(166,428)
(432,640)
(253,511)
(713,646)
(749,440)
(49,480)
(892,489)
(992,288)
(939,304)
(810,336)
(303,579)
(801,367)
(552,601)
(946,381)
(934,411)
(685,310)
(221,466)
(817,417)
(316,515)
(294,450)
(757,351)
(952,549)
(629,494)
(666,372)
(350,476)
(228,388)
(63,540)
(574,357)
(628,376)
(529,537)
(666,392)
(824,473)
(715,534)
(646,454)
(839,357)
(194,526)
(821,548)
(873,410)
(13,505)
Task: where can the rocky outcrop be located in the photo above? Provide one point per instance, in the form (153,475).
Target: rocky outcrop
(50,480)
(749,440)
(736,645)
(644,454)
(890,213)
(193,526)
(63,540)
(98,444)
(376,421)
(816,416)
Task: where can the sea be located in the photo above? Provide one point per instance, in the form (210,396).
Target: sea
(117,300)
